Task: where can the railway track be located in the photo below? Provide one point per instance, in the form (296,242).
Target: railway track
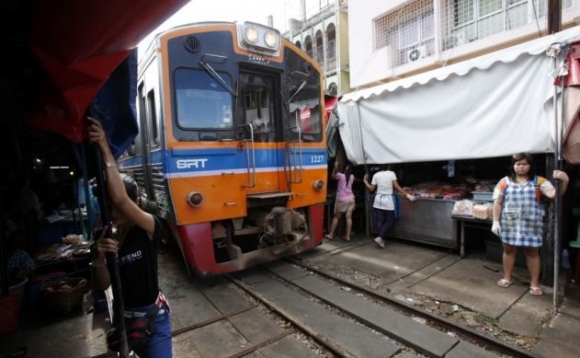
(289,308)
(397,326)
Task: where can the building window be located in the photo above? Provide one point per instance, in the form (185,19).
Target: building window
(331,47)
(471,20)
(332,89)
(319,49)
(298,44)
(308,47)
(408,31)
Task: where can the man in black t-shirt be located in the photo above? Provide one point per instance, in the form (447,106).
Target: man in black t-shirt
(135,244)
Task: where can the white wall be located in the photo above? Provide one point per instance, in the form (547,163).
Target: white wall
(367,65)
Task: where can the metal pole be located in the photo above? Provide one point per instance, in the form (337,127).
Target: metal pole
(553,52)
(368,210)
(558,203)
(4,287)
(112,265)
(556,199)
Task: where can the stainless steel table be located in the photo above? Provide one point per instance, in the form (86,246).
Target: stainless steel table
(468,221)
(428,221)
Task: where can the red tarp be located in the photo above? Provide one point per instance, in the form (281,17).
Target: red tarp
(329,105)
(571,119)
(79,44)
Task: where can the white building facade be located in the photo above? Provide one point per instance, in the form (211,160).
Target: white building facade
(322,32)
(400,38)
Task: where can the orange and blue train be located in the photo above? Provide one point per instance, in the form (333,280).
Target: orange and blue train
(231,150)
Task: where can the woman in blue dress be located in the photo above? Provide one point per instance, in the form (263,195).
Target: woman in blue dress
(518,216)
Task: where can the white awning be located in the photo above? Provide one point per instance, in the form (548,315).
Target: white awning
(490,106)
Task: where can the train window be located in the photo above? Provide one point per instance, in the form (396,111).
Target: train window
(201,101)
(257,108)
(132,149)
(258,104)
(307,115)
(302,96)
(152,118)
(141,114)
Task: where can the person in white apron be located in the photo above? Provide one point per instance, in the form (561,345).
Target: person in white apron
(518,216)
(385,183)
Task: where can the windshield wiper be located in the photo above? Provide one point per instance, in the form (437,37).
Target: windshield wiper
(206,66)
(298,90)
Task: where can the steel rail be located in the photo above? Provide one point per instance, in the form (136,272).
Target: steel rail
(494,344)
(309,331)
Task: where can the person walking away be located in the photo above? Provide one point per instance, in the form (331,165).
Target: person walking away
(345,200)
(135,244)
(384,181)
(518,216)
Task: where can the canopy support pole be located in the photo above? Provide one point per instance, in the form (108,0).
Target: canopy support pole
(553,52)
(368,207)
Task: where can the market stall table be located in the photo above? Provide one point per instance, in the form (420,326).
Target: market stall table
(426,220)
(72,258)
(471,222)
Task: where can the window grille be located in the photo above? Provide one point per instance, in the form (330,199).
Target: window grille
(408,31)
(331,43)
(466,21)
(319,48)
(308,47)
(331,54)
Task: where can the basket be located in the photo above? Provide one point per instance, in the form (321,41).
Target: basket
(64,295)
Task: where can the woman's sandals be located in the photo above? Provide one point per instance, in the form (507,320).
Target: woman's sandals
(536,291)
(504,283)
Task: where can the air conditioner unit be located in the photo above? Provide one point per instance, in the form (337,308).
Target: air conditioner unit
(416,53)
(456,39)
(460,38)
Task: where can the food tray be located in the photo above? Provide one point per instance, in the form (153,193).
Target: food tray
(482,195)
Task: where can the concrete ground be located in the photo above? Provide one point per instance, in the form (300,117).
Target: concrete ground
(439,280)
(463,289)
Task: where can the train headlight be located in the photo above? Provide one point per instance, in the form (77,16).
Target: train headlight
(318,185)
(271,39)
(194,199)
(252,34)
(260,39)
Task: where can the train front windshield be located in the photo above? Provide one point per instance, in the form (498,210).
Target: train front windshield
(279,101)
(302,92)
(202,102)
